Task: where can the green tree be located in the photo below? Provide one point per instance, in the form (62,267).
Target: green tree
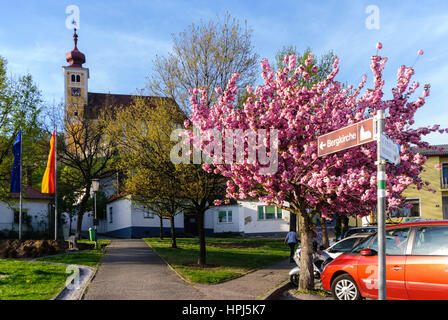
(199,190)
(323,63)
(142,132)
(205,56)
(20,106)
(89,154)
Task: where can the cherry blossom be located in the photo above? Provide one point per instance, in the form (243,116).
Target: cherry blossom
(340,183)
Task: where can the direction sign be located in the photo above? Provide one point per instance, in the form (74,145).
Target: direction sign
(344,138)
(389,149)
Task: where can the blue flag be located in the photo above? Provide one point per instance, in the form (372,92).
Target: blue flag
(16,183)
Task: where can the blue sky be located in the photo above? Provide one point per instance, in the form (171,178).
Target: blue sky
(121,38)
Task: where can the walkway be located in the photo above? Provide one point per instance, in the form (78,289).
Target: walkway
(131,270)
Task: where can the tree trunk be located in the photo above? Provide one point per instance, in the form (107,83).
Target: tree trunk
(173,233)
(344,224)
(202,249)
(306,278)
(161,227)
(70,217)
(323,225)
(292,221)
(337,227)
(78,225)
(82,210)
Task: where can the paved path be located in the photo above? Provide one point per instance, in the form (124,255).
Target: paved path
(131,270)
(250,286)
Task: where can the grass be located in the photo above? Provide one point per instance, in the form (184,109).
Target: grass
(90,258)
(33,280)
(226,258)
(318,292)
(100,242)
(25,280)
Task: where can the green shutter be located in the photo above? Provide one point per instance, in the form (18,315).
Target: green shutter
(279,213)
(229,216)
(260,213)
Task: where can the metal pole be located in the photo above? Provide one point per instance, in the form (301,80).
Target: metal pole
(55,186)
(96,222)
(20,196)
(381,205)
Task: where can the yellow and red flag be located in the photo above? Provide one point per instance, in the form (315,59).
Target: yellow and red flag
(49,179)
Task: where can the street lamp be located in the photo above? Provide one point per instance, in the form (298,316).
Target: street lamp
(95,188)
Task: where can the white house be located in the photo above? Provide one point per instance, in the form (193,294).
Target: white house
(125,219)
(35,209)
(250,218)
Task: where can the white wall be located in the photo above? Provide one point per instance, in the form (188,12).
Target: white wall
(87,221)
(234,226)
(121,211)
(37,209)
(249,212)
(138,219)
(245,219)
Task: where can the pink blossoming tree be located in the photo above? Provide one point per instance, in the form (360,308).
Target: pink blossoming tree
(341,183)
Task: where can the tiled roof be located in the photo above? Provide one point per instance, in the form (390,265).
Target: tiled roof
(117,196)
(434,150)
(99,101)
(32,194)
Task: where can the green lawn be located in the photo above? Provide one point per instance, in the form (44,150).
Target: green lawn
(226,257)
(90,258)
(24,280)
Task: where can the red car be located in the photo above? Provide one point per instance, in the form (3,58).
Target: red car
(416,265)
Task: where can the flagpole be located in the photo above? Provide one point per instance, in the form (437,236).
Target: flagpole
(20,196)
(55,187)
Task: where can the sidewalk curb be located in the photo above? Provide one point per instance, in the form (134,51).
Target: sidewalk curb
(79,292)
(274,292)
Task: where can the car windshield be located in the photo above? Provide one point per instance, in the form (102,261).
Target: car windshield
(363,244)
(344,245)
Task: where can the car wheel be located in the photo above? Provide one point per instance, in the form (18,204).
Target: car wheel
(345,288)
(294,278)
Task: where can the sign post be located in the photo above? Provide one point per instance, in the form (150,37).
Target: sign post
(345,138)
(387,150)
(381,204)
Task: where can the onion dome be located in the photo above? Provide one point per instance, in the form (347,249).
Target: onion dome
(75,57)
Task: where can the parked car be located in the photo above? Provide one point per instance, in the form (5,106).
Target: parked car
(322,257)
(346,244)
(354,230)
(416,265)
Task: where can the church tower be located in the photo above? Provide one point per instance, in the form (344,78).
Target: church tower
(75,82)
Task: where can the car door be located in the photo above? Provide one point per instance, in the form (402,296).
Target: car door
(427,267)
(396,244)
